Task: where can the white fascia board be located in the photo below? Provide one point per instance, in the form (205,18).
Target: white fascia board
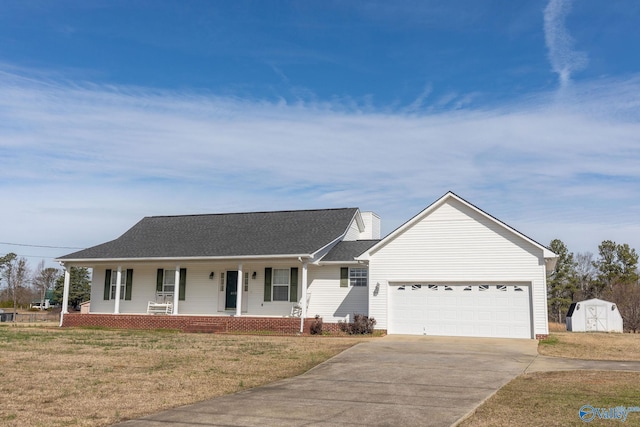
(358,218)
(366,255)
(360,221)
(353,261)
(547,254)
(330,244)
(202,258)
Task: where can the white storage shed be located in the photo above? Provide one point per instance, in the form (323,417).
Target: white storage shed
(594,315)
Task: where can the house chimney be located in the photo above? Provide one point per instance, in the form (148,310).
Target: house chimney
(371,226)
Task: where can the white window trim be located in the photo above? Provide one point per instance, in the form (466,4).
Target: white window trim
(282,285)
(114,284)
(172,276)
(353,279)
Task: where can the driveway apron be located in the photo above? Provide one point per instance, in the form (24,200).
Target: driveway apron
(396,380)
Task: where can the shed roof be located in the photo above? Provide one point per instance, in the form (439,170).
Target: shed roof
(348,250)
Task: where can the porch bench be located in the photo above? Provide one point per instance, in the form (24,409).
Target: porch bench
(159,307)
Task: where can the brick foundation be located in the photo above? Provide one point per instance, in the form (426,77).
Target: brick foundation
(206,324)
(331,328)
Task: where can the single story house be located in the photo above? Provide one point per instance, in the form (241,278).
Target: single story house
(452,269)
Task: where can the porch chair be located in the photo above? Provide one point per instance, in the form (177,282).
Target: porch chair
(296,309)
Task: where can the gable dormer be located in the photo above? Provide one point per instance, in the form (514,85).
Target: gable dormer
(364,226)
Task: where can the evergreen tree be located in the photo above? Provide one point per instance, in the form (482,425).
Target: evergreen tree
(79,287)
(617,264)
(562,285)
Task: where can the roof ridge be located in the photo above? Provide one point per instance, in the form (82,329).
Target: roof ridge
(249,213)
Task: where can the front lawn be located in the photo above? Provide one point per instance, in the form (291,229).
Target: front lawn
(591,346)
(554,398)
(93,377)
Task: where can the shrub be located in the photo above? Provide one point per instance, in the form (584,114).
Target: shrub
(316,326)
(362,324)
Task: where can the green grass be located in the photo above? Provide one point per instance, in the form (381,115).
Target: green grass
(550,340)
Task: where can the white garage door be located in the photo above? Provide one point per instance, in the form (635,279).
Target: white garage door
(473,310)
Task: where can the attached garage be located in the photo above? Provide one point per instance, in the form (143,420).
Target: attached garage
(472,310)
(455,270)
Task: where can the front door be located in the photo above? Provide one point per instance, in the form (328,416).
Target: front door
(232,290)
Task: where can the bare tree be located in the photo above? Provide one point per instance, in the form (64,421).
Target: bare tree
(15,273)
(585,274)
(44,279)
(627,298)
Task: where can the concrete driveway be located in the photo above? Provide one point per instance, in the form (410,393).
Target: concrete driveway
(396,380)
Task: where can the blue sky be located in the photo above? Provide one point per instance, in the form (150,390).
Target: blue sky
(115,110)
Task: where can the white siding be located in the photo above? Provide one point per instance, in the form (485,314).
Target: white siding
(203,296)
(371,226)
(454,243)
(329,300)
(354,231)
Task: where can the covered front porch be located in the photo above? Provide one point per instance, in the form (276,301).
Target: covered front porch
(192,290)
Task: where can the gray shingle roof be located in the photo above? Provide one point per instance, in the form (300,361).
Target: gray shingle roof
(225,235)
(347,251)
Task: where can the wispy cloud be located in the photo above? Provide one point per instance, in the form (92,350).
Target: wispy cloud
(565,60)
(80,163)
(418,103)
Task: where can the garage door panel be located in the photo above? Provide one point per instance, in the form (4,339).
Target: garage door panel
(461,310)
(502,316)
(484,316)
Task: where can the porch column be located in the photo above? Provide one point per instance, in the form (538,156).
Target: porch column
(176,291)
(304,290)
(65,292)
(303,314)
(116,308)
(239,289)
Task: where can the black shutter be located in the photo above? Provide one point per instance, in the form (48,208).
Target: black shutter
(183,284)
(107,284)
(129,283)
(267,284)
(293,285)
(344,277)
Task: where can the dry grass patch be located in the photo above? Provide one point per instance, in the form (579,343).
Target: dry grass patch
(591,345)
(557,327)
(92,377)
(554,399)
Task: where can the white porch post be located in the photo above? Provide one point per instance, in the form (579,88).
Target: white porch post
(65,293)
(116,308)
(176,290)
(304,289)
(239,289)
(303,315)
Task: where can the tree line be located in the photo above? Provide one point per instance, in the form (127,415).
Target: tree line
(612,275)
(20,285)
